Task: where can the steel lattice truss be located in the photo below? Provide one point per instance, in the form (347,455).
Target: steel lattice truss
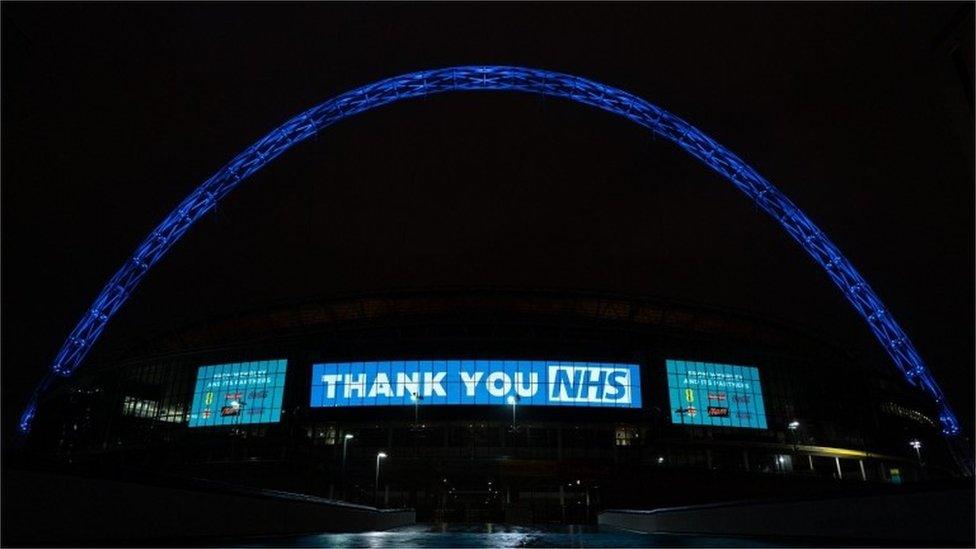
(496,78)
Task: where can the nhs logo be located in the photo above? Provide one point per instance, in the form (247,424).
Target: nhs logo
(589,384)
(475,382)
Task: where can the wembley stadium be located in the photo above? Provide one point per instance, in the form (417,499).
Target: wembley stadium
(497,405)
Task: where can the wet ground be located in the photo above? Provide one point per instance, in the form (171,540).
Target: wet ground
(502,535)
(507,535)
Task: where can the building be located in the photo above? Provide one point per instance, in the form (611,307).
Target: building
(493,404)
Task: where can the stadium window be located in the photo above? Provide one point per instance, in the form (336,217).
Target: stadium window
(625,436)
(325,434)
(135,407)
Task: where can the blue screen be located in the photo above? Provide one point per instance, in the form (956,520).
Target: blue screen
(233,394)
(465,382)
(722,395)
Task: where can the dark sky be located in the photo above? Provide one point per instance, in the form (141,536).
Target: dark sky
(113,113)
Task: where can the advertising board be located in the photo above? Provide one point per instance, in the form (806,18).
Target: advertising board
(475,382)
(721,395)
(237,393)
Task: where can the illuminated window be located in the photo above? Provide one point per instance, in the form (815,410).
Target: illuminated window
(136,407)
(325,434)
(625,436)
(174,415)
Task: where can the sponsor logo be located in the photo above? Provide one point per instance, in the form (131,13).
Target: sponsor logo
(718,411)
(232,409)
(716,396)
(690,411)
(689,395)
(740,399)
(589,384)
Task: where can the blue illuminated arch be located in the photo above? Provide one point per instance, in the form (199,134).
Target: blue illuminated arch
(497,78)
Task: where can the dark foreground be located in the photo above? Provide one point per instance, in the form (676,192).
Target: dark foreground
(46,509)
(504,535)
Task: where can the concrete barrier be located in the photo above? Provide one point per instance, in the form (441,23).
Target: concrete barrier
(43,508)
(931,516)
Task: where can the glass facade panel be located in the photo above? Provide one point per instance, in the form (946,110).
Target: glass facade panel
(238,393)
(717,395)
(485,382)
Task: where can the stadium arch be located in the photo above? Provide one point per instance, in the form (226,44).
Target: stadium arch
(495,78)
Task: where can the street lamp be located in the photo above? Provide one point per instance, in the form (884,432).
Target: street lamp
(376,489)
(917,444)
(416,398)
(793,426)
(513,400)
(345,443)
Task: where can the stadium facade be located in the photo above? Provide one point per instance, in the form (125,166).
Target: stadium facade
(497,404)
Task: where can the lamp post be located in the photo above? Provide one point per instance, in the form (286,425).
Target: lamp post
(793,426)
(513,400)
(416,398)
(917,444)
(345,443)
(376,489)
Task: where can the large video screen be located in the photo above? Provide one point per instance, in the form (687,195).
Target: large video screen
(234,394)
(720,395)
(473,382)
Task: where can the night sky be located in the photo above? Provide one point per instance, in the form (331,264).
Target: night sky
(113,113)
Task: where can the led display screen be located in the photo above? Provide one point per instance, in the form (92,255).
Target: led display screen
(488,382)
(233,394)
(721,395)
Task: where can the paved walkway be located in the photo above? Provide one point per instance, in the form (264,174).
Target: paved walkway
(500,535)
